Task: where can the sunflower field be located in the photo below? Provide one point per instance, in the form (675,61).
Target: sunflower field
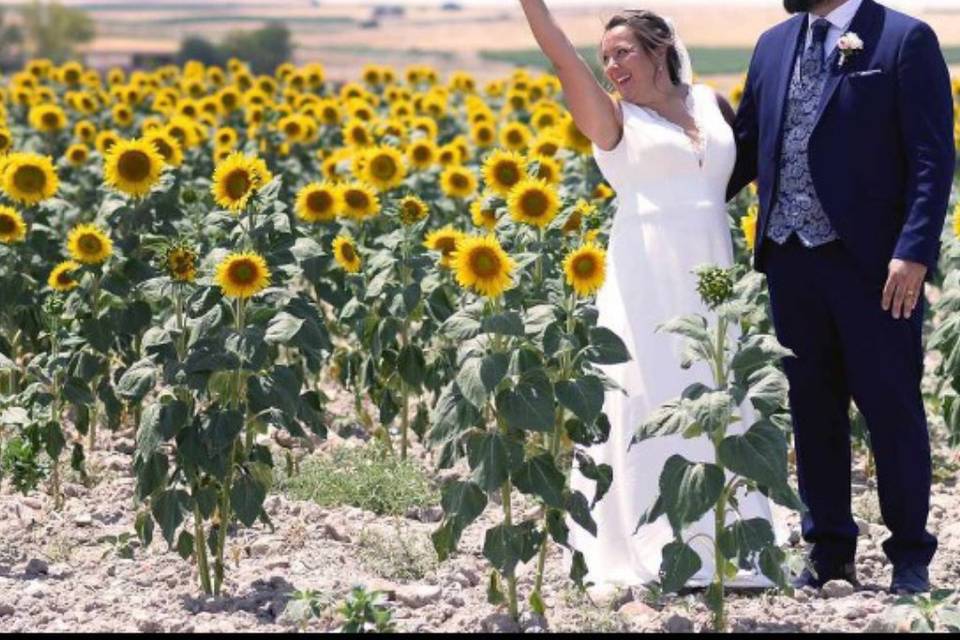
(204,256)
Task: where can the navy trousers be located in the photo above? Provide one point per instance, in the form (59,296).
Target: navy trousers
(845,346)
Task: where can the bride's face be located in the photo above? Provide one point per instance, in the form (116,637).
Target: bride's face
(625,63)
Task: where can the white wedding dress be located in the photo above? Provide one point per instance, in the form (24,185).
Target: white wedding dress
(671,217)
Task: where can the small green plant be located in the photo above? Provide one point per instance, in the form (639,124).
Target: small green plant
(305,605)
(938,612)
(119,545)
(368,477)
(363,612)
(401,554)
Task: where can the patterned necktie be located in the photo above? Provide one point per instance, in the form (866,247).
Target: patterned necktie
(812,64)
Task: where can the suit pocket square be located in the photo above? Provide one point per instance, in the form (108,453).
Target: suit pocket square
(869,72)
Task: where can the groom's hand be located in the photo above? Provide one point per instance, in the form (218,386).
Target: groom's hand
(904,287)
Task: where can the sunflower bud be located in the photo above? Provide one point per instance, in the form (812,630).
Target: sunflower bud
(715,285)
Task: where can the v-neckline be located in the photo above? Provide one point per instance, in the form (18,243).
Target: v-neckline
(699,145)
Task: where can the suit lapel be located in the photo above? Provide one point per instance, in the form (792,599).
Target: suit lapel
(866,25)
(787,57)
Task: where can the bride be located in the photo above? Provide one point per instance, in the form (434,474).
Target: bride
(667,149)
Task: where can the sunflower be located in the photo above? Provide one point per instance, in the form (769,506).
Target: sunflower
(180,262)
(458,182)
(122,115)
(547,143)
(356,133)
(603,192)
(132,167)
(360,201)
(533,201)
(384,168)
(6,140)
(481,263)
(413,210)
(422,153)
(449,154)
(29,177)
(88,244)
(12,227)
(515,136)
(226,137)
(47,118)
(748,224)
(105,141)
(241,275)
(502,170)
(549,169)
(573,138)
(482,215)
(585,269)
(166,145)
(445,241)
(236,178)
(318,202)
(77,154)
(956,221)
(345,253)
(60,278)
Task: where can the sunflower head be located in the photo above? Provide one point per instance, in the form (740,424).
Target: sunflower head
(748,224)
(12,227)
(88,244)
(47,118)
(29,178)
(384,168)
(585,269)
(61,277)
(481,264)
(534,202)
(236,179)
(345,253)
(167,146)
(180,263)
(412,210)
(422,153)
(458,181)
(318,202)
(482,214)
(502,170)
(132,167)
(77,154)
(549,169)
(445,241)
(241,275)
(360,201)
(515,136)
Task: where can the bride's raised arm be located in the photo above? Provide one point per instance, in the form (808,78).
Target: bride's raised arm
(594,111)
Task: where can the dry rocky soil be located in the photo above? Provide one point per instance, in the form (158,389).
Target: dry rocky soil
(59,571)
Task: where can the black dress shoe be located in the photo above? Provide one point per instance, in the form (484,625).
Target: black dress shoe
(909,578)
(824,575)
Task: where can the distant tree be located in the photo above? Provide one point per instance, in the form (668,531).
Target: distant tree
(201,49)
(11,38)
(53,30)
(264,48)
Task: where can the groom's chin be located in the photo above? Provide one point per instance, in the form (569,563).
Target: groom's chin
(799,6)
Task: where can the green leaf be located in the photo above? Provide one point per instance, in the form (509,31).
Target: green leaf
(583,396)
(282,328)
(606,347)
(185,544)
(712,411)
(767,390)
(539,476)
(771,564)
(247,495)
(688,490)
(451,416)
(411,365)
(529,406)
(491,456)
(557,527)
(602,474)
(578,508)
(470,382)
(462,503)
(167,512)
(692,327)
(495,594)
(578,569)
(536,603)
(680,563)
(760,454)
(756,352)
(137,381)
(463,325)
(505,546)
(144,528)
(671,417)
(748,538)
(507,323)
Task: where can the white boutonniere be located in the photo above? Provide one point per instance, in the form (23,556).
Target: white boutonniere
(849,45)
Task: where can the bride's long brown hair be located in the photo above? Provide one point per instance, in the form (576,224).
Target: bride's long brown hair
(651,32)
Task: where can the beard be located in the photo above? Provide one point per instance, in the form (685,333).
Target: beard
(800,6)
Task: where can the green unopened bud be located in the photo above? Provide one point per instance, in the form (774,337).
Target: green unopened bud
(715,285)
(189,196)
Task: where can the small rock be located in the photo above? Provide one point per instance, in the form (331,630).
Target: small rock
(335,532)
(499,623)
(35,590)
(277,563)
(71,490)
(636,612)
(36,567)
(7,610)
(83,520)
(678,624)
(863,527)
(260,548)
(800,595)
(837,589)
(32,503)
(431,514)
(532,622)
(416,596)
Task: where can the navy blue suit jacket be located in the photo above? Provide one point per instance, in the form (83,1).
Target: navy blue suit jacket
(882,152)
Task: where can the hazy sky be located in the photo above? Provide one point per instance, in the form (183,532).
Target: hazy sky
(907,4)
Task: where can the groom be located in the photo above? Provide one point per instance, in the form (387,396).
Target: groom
(846,121)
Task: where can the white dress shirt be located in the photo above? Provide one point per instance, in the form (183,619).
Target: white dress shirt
(839,19)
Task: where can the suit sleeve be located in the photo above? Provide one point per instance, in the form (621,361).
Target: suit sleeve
(746,132)
(926,122)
